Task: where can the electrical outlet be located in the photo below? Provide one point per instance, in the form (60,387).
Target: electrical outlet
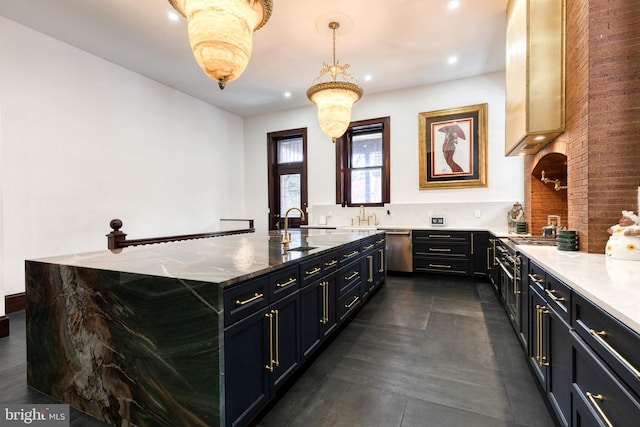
(477,213)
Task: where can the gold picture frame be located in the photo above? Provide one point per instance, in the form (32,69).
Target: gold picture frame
(453,148)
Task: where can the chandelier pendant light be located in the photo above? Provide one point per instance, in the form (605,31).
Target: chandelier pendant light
(221,33)
(334,97)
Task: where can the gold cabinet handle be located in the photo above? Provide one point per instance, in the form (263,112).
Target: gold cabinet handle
(270,365)
(535,279)
(247,301)
(355,299)
(600,337)
(324,319)
(379,241)
(440,249)
(540,311)
(439,266)
(381,269)
(366,248)
(291,281)
(594,398)
(471,243)
(354,274)
(370,258)
(439,236)
(552,294)
(277,313)
(331,263)
(488,257)
(310,272)
(351,254)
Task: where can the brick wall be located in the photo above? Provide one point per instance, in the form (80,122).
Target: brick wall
(602,137)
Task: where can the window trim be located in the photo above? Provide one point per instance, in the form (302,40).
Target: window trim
(343,184)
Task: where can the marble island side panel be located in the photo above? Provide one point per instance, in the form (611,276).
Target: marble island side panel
(127,349)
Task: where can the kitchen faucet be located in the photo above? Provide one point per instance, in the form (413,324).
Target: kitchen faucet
(286,237)
(362,218)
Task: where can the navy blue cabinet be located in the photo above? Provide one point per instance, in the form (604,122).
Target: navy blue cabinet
(318,313)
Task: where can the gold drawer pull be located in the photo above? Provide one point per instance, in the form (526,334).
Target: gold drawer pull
(366,248)
(269,367)
(355,299)
(381,269)
(355,273)
(552,294)
(535,278)
(330,263)
(439,236)
(598,397)
(439,266)
(379,241)
(370,279)
(351,254)
(291,281)
(440,249)
(600,337)
(314,271)
(247,301)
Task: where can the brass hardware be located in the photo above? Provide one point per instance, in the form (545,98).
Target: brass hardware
(291,281)
(277,313)
(379,241)
(314,271)
(471,243)
(325,317)
(439,266)
(370,258)
(255,297)
(593,398)
(381,269)
(556,183)
(488,258)
(540,311)
(331,263)
(270,365)
(440,249)
(494,252)
(552,294)
(351,254)
(286,237)
(600,338)
(355,299)
(439,236)
(366,248)
(355,273)
(535,278)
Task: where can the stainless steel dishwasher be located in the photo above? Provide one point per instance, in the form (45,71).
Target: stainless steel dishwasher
(399,251)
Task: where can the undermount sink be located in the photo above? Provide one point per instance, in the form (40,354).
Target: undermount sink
(303,248)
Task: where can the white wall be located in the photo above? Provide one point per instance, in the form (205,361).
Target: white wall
(505,185)
(83,141)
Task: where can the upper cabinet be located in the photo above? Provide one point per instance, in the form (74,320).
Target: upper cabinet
(535,74)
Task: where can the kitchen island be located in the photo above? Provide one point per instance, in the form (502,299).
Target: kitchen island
(137,336)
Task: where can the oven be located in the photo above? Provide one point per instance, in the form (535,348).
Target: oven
(507,259)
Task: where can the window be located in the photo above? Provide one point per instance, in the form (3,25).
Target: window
(287,176)
(362,164)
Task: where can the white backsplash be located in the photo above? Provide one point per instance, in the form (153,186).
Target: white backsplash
(489,215)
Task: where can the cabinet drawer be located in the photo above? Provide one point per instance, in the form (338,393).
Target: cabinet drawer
(311,270)
(614,342)
(330,262)
(245,299)
(349,301)
(348,253)
(440,265)
(368,245)
(600,391)
(558,295)
(440,235)
(347,276)
(380,240)
(441,249)
(537,276)
(283,282)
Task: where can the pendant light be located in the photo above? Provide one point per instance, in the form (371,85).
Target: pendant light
(221,33)
(334,98)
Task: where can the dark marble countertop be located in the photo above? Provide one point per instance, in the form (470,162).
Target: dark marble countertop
(224,260)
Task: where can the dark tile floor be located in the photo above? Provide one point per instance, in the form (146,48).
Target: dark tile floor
(427,351)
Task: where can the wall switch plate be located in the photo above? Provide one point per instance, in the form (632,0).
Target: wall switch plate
(437,220)
(477,213)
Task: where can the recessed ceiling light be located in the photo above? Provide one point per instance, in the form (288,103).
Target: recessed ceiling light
(453,4)
(452,60)
(367,77)
(540,138)
(287,94)
(173,16)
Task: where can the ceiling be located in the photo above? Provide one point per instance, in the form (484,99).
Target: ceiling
(399,43)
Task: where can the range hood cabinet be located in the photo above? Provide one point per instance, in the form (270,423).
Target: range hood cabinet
(535,74)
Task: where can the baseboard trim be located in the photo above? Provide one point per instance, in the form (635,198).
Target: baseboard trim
(15,302)
(4,326)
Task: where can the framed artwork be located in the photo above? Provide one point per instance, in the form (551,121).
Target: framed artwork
(453,148)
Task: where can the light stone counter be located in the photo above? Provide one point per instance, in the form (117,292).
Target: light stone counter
(611,284)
